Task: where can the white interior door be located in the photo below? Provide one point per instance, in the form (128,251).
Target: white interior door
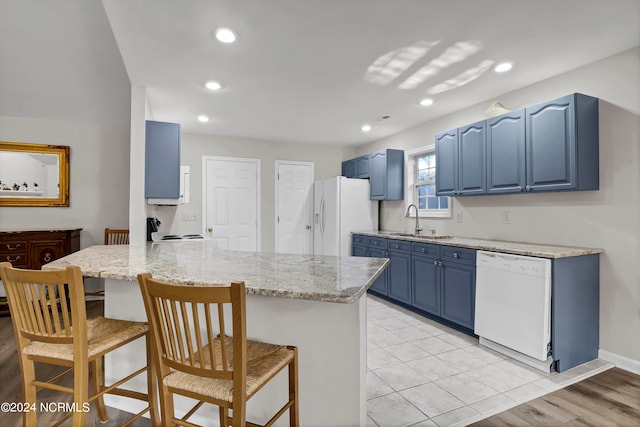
(294,207)
(231,202)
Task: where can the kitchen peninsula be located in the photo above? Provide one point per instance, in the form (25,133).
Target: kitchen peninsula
(315,303)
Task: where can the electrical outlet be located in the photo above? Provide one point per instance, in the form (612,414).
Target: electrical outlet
(459,217)
(506,217)
(189,216)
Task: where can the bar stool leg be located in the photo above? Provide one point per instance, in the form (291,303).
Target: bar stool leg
(97,375)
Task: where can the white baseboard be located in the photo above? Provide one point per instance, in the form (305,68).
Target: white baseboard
(621,362)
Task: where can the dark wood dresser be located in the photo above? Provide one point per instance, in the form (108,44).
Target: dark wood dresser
(34,248)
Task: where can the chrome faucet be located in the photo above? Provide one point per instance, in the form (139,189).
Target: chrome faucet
(418,229)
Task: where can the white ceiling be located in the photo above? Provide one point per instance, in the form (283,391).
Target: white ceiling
(315,71)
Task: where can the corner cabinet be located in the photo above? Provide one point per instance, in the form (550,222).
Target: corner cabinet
(552,146)
(162,160)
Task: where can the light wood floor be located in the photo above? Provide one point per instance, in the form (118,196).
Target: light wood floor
(611,398)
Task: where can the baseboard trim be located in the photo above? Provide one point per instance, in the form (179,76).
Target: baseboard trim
(621,362)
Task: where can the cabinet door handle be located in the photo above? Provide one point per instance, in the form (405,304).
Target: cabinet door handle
(455,255)
(440,264)
(13,248)
(47,257)
(528,188)
(397,246)
(435,263)
(16,259)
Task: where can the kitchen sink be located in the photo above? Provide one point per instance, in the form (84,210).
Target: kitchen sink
(424,236)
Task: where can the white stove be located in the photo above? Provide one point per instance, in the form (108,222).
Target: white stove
(172,237)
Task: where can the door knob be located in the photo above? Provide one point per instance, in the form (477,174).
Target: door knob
(307,227)
(210,229)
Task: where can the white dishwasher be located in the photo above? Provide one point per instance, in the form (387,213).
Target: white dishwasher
(513,305)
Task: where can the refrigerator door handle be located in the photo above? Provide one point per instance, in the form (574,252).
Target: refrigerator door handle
(322,216)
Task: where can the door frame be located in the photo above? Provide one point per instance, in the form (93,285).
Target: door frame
(258,193)
(277,199)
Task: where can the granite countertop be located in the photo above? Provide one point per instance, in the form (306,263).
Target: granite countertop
(317,278)
(517,248)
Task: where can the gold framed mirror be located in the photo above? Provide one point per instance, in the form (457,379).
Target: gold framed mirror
(34,174)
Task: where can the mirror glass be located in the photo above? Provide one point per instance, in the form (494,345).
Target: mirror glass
(34,174)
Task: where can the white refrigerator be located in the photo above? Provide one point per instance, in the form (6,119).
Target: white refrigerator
(341,206)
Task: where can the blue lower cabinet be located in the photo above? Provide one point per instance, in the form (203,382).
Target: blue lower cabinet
(458,293)
(426,284)
(381,283)
(362,251)
(400,270)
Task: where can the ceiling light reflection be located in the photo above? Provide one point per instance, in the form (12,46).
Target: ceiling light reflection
(211,85)
(503,67)
(388,67)
(366,128)
(461,79)
(203,119)
(426,102)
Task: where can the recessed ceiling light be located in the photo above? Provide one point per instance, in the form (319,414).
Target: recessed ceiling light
(211,85)
(366,128)
(426,102)
(502,67)
(203,118)
(225,35)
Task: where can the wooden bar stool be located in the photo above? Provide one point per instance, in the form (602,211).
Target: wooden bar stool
(114,236)
(195,357)
(51,326)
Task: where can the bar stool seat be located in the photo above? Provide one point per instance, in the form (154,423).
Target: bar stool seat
(50,322)
(196,357)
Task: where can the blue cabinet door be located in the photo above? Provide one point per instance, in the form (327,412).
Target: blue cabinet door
(447,163)
(349,168)
(562,144)
(361,251)
(458,293)
(425,281)
(386,178)
(506,168)
(362,167)
(400,271)
(381,284)
(551,145)
(472,178)
(162,160)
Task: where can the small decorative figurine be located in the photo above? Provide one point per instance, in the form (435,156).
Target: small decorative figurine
(16,187)
(35,186)
(26,187)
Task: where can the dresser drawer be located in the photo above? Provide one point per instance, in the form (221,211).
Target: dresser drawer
(425,249)
(399,246)
(459,255)
(13,247)
(378,242)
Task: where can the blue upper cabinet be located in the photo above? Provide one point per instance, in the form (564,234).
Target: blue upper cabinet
(356,168)
(506,169)
(461,161)
(349,168)
(447,163)
(362,167)
(472,176)
(386,168)
(162,160)
(552,146)
(562,144)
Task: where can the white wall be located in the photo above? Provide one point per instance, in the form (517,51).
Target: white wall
(608,218)
(327,159)
(99,177)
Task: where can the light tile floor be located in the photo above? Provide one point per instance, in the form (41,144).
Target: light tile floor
(421,373)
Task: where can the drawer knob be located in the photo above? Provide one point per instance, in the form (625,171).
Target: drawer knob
(435,262)
(423,250)
(397,246)
(455,255)
(13,248)
(16,259)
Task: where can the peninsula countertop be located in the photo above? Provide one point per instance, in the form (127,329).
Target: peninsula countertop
(517,248)
(317,278)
